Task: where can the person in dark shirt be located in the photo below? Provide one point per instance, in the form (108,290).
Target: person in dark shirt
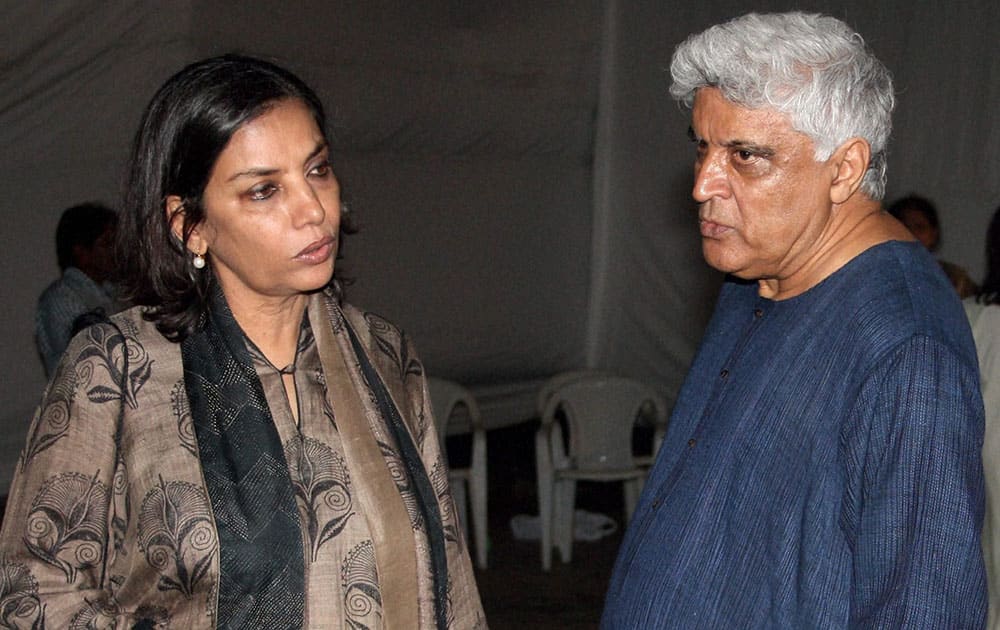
(822,465)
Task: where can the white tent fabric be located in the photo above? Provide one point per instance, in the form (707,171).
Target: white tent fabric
(520,174)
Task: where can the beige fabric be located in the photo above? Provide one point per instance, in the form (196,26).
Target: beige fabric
(108,520)
(377,491)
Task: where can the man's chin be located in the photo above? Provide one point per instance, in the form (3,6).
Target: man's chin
(718,257)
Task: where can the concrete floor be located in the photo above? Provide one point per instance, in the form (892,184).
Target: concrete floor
(516,593)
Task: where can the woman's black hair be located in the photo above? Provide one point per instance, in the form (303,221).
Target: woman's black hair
(185,127)
(989,291)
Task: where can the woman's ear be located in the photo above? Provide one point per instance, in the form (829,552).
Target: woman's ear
(174,208)
(176,216)
(851,161)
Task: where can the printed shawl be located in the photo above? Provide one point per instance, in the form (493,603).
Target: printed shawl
(109,522)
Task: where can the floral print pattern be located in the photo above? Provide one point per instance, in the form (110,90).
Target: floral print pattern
(67,524)
(392,343)
(20,606)
(322,488)
(185,423)
(123,359)
(177,534)
(359,578)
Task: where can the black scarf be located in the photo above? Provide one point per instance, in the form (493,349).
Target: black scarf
(261,565)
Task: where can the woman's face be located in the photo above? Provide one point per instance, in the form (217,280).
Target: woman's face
(272,208)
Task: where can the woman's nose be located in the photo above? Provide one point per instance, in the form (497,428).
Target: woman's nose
(309,206)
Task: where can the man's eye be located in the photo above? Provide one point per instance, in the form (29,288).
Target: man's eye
(262,191)
(744,156)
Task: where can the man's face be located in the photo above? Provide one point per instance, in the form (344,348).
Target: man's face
(764,199)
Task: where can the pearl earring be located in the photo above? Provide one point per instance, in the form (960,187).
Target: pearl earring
(198,261)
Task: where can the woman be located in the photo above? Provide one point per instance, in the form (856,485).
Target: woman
(983,311)
(241,449)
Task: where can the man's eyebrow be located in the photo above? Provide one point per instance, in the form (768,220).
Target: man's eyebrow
(740,145)
(752,147)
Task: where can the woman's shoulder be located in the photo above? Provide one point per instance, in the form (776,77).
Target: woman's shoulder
(126,337)
(365,321)
(134,326)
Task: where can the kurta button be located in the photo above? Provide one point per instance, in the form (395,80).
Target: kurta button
(758,312)
(724,373)
(656,503)
(692,442)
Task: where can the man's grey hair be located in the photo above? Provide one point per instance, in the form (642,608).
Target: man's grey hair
(813,68)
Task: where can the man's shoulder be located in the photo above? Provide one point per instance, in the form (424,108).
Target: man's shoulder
(57,290)
(898,292)
(71,286)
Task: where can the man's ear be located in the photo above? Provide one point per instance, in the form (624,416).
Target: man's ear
(174,208)
(851,161)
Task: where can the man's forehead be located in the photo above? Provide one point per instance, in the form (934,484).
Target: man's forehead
(716,119)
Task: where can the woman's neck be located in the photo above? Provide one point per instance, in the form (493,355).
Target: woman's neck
(272,324)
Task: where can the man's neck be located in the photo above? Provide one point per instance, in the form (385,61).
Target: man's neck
(856,226)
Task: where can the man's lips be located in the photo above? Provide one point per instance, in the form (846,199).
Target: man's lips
(711,229)
(317,251)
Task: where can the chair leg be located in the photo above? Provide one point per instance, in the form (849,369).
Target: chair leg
(564,499)
(543,473)
(477,488)
(632,489)
(459,490)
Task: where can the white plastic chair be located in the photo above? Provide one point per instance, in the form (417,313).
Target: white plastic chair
(600,412)
(451,400)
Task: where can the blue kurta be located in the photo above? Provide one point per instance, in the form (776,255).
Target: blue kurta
(822,467)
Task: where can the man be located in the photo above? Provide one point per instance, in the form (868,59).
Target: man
(84,243)
(822,466)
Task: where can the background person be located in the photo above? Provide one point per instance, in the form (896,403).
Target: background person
(921,218)
(84,243)
(241,449)
(822,464)
(983,311)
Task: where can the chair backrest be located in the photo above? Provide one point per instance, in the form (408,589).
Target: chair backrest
(601,411)
(447,397)
(559,380)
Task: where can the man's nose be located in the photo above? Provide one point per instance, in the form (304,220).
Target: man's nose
(710,179)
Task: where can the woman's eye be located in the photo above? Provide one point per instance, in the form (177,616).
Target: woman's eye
(262,191)
(321,170)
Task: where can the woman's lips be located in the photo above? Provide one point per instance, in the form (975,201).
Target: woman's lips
(317,251)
